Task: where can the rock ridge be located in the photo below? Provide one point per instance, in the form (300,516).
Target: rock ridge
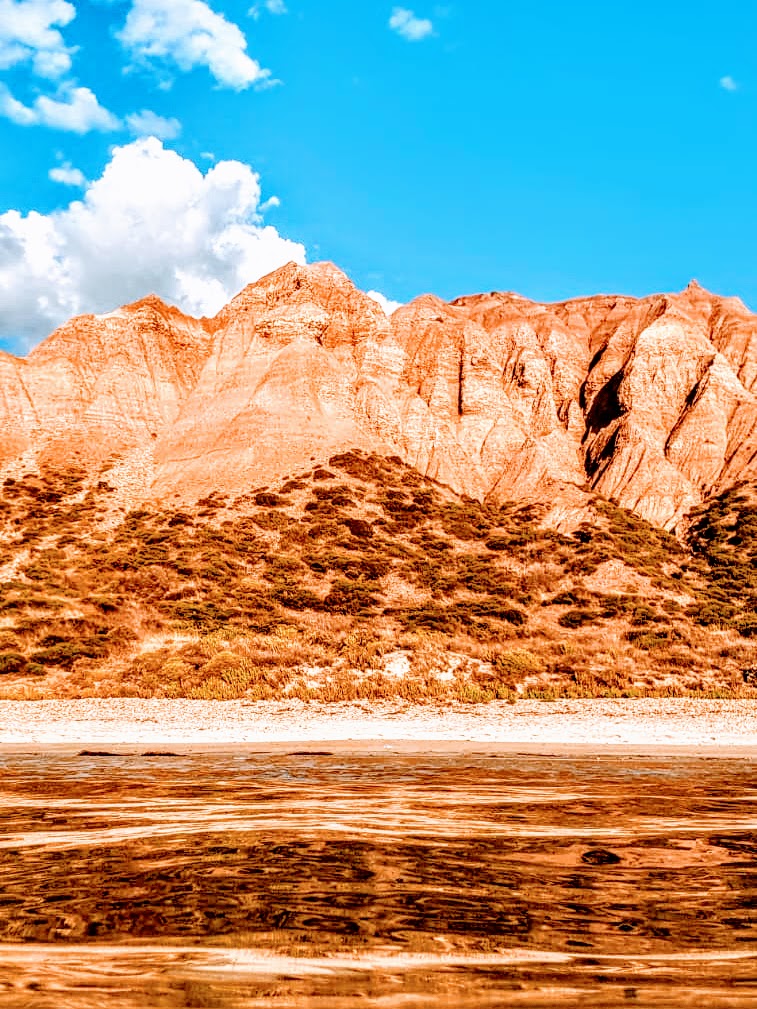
(650,402)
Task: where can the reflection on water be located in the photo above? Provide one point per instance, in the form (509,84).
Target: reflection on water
(335,880)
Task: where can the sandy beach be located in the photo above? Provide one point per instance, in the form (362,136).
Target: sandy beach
(587,725)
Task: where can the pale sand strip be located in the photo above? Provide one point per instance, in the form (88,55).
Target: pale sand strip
(535,726)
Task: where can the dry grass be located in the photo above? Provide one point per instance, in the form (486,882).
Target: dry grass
(366,581)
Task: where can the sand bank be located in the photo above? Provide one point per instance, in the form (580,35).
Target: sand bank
(584,725)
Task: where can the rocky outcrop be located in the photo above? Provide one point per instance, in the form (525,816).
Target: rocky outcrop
(100,385)
(279,388)
(650,402)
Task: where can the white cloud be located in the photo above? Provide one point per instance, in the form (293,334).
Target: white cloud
(51,65)
(150,124)
(189,34)
(272,6)
(387,304)
(29,33)
(152,222)
(67,175)
(727,83)
(405,23)
(76,110)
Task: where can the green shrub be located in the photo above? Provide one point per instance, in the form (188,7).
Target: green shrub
(643,615)
(351,597)
(66,653)
(282,566)
(481,574)
(712,613)
(498,543)
(747,628)
(472,693)
(516,664)
(294,597)
(359,528)
(648,640)
(204,614)
(270,500)
(574,619)
(492,608)
(12,662)
(356,465)
(579,618)
(271,521)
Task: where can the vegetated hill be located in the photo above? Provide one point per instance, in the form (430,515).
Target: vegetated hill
(649,402)
(361,578)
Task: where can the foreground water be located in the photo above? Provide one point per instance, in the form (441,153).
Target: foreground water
(312,879)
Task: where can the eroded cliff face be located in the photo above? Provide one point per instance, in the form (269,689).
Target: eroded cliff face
(100,385)
(279,387)
(650,402)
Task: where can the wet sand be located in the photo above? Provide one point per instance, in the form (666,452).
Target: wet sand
(307,877)
(220,854)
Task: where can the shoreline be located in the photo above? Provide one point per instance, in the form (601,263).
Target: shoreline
(644,726)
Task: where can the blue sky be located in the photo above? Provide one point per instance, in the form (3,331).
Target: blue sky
(551,149)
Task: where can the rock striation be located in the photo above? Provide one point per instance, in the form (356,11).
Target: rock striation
(650,402)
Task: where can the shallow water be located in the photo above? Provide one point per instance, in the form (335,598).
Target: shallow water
(335,880)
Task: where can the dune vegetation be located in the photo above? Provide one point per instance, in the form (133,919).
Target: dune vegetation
(362,579)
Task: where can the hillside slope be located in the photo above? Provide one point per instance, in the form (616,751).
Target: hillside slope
(362,578)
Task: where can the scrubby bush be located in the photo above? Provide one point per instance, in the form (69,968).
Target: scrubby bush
(264,500)
(747,627)
(12,662)
(712,613)
(66,653)
(515,664)
(643,615)
(451,573)
(649,640)
(359,528)
(204,614)
(351,597)
(578,618)
(295,597)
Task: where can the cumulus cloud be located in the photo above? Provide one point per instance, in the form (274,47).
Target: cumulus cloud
(410,27)
(188,34)
(30,35)
(152,222)
(150,124)
(727,83)
(67,175)
(387,304)
(29,32)
(75,110)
